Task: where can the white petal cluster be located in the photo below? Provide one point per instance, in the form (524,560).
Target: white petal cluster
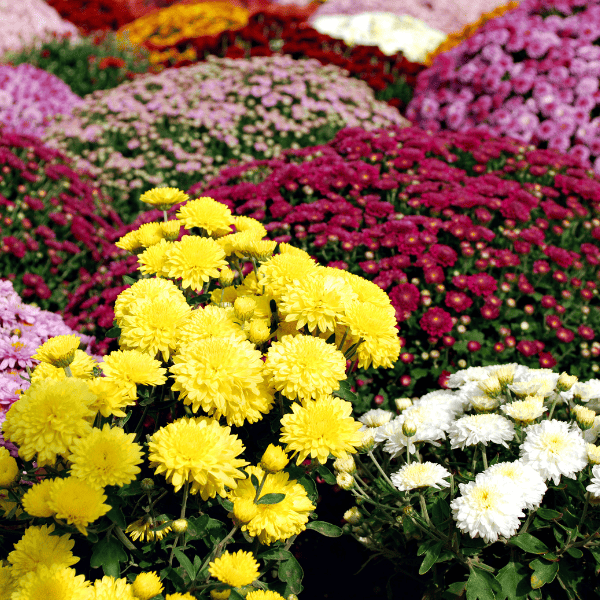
(476,429)
(594,487)
(528,480)
(376,417)
(419,475)
(554,448)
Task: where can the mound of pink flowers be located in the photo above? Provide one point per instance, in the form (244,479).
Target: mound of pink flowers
(29,97)
(531,74)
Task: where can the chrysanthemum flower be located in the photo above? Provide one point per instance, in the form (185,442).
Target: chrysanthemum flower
(316,301)
(419,475)
(249,224)
(285,248)
(106,456)
(149,234)
(554,448)
(536,386)
(152,260)
(481,429)
(178,596)
(525,411)
(528,480)
(147,530)
(147,289)
(376,326)
(195,260)
(261,250)
(304,367)
(147,585)
(152,325)
(594,487)
(82,367)
(488,508)
(49,417)
(224,376)
(272,522)
(593,453)
(366,290)
(38,547)
(320,428)
(264,595)
(208,214)
(235,569)
(200,452)
(52,582)
(274,459)
(130,368)
(171,229)
(58,351)
(111,397)
(130,242)
(109,588)
(35,500)
(77,502)
(9,470)
(282,270)
(163,197)
(207,322)
(236,243)
(376,417)
(7,582)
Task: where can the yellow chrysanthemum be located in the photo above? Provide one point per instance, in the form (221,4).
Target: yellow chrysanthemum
(130,242)
(259,249)
(49,417)
(111,397)
(164,197)
(235,569)
(149,234)
(280,521)
(145,529)
(207,322)
(130,368)
(282,270)
(304,367)
(35,500)
(366,290)
(109,588)
(171,229)
(53,583)
(77,502)
(208,214)
(195,260)
(285,248)
(316,301)
(249,224)
(82,367)
(223,376)
(106,456)
(200,452)
(376,326)
(38,547)
(264,595)
(152,260)
(147,585)
(9,470)
(7,582)
(58,351)
(222,297)
(178,596)
(152,325)
(145,289)
(252,286)
(320,428)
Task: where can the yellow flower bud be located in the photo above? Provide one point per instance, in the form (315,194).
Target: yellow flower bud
(368,441)
(352,515)
(147,484)
(170,229)
(345,481)
(259,331)
(409,428)
(179,525)
(226,276)
(244,307)
(566,382)
(403,403)
(345,465)
(491,386)
(244,510)
(220,594)
(146,586)
(584,416)
(593,453)
(274,459)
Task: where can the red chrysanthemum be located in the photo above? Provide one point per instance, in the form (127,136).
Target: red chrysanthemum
(482,284)
(436,321)
(405,297)
(459,301)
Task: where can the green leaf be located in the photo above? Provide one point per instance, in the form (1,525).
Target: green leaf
(309,485)
(276,554)
(186,563)
(454,591)
(575,552)
(440,511)
(514,581)
(474,336)
(326,474)
(291,572)
(548,514)
(481,586)
(108,553)
(418,373)
(326,529)
(115,514)
(528,543)
(430,558)
(271,499)
(254,480)
(129,280)
(345,392)
(543,572)
(458,347)
(233,595)
(113,332)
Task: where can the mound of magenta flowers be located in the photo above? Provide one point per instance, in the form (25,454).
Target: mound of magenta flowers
(185,462)
(491,488)
(531,74)
(92,63)
(489,250)
(94,15)
(55,223)
(182,125)
(30,97)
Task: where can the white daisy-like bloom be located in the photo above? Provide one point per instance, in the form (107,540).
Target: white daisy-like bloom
(476,429)
(536,384)
(376,417)
(420,475)
(554,448)
(527,479)
(593,488)
(586,391)
(470,374)
(447,400)
(488,508)
(525,411)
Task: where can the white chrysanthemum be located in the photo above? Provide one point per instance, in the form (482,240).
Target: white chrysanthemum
(463,376)
(525,411)
(527,479)
(586,391)
(594,487)
(554,448)
(420,475)
(537,382)
(475,429)
(446,401)
(591,435)
(488,508)
(376,417)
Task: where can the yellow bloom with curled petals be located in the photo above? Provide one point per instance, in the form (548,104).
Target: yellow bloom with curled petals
(35,500)
(152,260)
(130,242)
(109,588)
(235,569)
(111,396)
(282,270)
(82,367)
(163,197)
(9,470)
(147,585)
(208,214)
(52,582)
(58,351)
(207,322)
(249,224)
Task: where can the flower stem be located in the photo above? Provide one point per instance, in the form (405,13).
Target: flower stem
(370,453)
(186,490)
(260,487)
(553,406)
(484,456)
(68,371)
(424,509)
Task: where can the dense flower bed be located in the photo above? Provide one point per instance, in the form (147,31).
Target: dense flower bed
(30,21)
(93,15)
(531,74)
(54,222)
(92,63)
(182,125)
